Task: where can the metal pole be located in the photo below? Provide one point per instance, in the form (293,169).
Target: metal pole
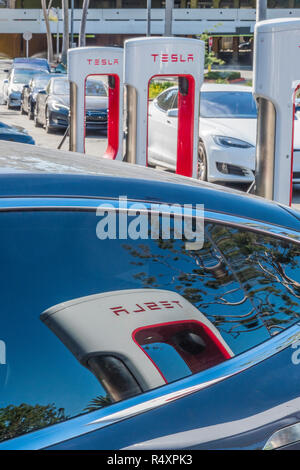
(57,33)
(148,17)
(265,133)
(72,23)
(168,17)
(261,10)
(27,51)
(265,149)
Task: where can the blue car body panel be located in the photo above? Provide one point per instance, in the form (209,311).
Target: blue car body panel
(23,62)
(237,404)
(148,190)
(14,134)
(226,415)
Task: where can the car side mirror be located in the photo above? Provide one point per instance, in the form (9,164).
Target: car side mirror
(172,112)
(5,80)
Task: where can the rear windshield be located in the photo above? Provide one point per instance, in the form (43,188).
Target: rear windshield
(224,104)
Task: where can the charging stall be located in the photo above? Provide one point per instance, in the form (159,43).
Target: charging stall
(276,80)
(136,340)
(148,58)
(94,61)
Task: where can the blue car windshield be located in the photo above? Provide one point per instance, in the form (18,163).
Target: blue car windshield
(41,81)
(61,87)
(24,76)
(227,104)
(95,88)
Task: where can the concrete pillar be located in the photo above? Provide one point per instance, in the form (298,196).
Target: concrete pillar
(235,47)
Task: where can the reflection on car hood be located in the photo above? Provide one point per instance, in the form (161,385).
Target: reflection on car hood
(92,102)
(244,129)
(14,129)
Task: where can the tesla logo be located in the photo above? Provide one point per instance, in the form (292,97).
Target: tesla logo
(2,352)
(103,61)
(296,354)
(144,306)
(173,57)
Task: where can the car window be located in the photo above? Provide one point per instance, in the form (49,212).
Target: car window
(234,292)
(95,88)
(23,76)
(227,104)
(61,87)
(40,82)
(166,99)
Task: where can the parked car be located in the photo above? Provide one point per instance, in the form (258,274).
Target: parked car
(118,339)
(13,85)
(15,134)
(227,133)
(33,63)
(53,105)
(29,93)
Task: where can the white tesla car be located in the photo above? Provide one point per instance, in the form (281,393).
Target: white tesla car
(227,135)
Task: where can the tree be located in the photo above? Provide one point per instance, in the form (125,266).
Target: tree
(210,57)
(48,30)
(242,281)
(18,420)
(85,8)
(99,402)
(65,45)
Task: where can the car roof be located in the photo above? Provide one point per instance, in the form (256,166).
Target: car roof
(27,170)
(225,87)
(228,87)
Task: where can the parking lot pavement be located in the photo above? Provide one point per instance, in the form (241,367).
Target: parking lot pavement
(95,142)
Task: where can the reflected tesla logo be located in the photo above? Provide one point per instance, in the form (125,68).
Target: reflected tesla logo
(2,352)
(144,306)
(173,57)
(102,61)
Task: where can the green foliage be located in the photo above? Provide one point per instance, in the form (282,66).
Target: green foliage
(156,88)
(210,57)
(18,420)
(98,403)
(222,75)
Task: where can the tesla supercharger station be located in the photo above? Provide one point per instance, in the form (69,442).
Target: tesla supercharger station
(276,80)
(112,333)
(88,61)
(148,58)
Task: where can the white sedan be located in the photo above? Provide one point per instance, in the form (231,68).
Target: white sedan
(227,134)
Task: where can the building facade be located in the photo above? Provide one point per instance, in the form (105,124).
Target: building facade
(229,22)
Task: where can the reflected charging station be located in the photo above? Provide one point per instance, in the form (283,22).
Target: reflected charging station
(130,339)
(88,61)
(146,58)
(276,81)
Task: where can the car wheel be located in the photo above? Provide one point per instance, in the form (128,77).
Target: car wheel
(202,163)
(48,128)
(35,118)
